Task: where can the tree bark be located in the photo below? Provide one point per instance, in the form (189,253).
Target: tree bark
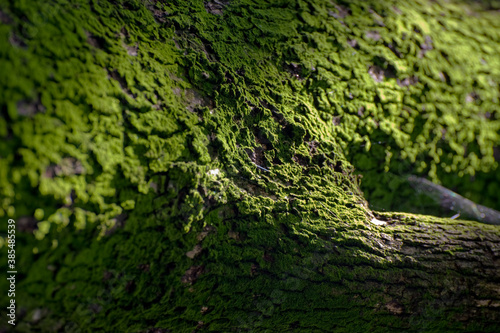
(187,166)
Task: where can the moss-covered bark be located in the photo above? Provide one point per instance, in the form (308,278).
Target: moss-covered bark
(188,165)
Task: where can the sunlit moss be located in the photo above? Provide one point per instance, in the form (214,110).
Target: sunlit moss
(114,114)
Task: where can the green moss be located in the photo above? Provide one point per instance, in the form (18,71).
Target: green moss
(156,127)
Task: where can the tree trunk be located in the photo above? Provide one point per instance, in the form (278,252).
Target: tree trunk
(183,166)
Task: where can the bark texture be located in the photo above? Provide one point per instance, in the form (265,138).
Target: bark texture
(185,166)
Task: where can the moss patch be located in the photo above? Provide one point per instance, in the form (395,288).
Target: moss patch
(174,158)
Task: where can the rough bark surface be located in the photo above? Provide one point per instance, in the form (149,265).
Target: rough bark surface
(185,166)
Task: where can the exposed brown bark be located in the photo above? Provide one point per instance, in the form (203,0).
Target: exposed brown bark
(440,264)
